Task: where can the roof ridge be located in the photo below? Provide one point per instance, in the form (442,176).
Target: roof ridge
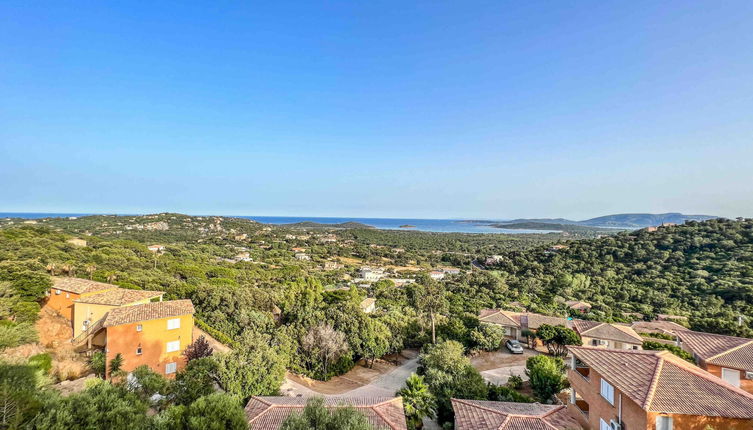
(504,422)
(269,406)
(654,382)
(480,407)
(392,425)
(730,350)
(684,365)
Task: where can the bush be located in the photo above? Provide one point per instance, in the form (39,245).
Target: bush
(515,382)
(487,337)
(501,393)
(546,375)
(676,350)
(316,416)
(98,363)
(15,334)
(41,362)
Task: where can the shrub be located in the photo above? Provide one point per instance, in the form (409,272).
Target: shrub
(316,416)
(546,375)
(41,362)
(676,350)
(501,393)
(515,382)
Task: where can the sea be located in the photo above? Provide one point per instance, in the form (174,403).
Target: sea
(418,224)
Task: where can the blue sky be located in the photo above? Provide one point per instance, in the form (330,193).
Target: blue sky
(395,109)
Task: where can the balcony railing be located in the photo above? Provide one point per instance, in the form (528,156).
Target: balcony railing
(90,330)
(582,406)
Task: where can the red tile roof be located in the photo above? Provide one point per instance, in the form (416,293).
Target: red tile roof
(269,413)
(79,286)
(727,351)
(598,330)
(657,327)
(148,311)
(659,381)
(505,318)
(486,415)
(119,297)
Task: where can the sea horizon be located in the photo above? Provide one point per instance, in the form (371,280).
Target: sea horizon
(435,225)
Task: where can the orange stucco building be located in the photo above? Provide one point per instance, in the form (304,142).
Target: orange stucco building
(134,323)
(652,390)
(65,291)
(152,334)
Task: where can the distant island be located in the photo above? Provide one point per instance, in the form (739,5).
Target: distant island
(407,226)
(620,221)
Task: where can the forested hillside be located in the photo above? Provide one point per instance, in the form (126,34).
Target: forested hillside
(703,270)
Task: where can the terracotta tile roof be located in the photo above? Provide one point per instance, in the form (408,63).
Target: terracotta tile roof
(668,327)
(269,413)
(727,351)
(148,311)
(79,286)
(659,381)
(619,333)
(119,297)
(495,316)
(537,320)
(578,304)
(486,415)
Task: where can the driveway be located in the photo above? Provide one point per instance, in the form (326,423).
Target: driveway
(383,385)
(497,366)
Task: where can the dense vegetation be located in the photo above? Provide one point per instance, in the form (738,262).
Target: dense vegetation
(702,270)
(281,313)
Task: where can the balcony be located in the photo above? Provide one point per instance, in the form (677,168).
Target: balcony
(582,406)
(584,371)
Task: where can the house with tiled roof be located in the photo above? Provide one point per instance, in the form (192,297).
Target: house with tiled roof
(658,327)
(729,358)
(629,389)
(90,308)
(153,334)
(578,305)
(65,291)
(486,415)
(269,413)
(515,322)
(605,335)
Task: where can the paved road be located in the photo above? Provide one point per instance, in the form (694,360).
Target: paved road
(385,385)
(502,374)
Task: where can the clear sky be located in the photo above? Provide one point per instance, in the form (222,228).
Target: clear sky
(494,109)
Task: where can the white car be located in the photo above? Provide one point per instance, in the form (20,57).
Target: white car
(514,346)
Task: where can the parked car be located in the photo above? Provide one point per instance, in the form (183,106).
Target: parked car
(514,346)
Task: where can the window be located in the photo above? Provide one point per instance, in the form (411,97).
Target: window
(731,376)
(607,391)
(603,425)
(663,423)
(138,350)
(171,368)
(139,327)
(67,295)
(173,323)
(173,346)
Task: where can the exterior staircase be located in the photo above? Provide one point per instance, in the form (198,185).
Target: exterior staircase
(83,340)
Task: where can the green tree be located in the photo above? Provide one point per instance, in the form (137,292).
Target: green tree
(18,395)
(487,337)
(432,301)
(196,380)
(557,338)
(216,411)
(418,402)
(116,364)
(101,406)
(316,417)
(254,368)
(546,376)
(98,362)
(145,383)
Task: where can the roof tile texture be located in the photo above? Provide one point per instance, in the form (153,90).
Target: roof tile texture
(148,311)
